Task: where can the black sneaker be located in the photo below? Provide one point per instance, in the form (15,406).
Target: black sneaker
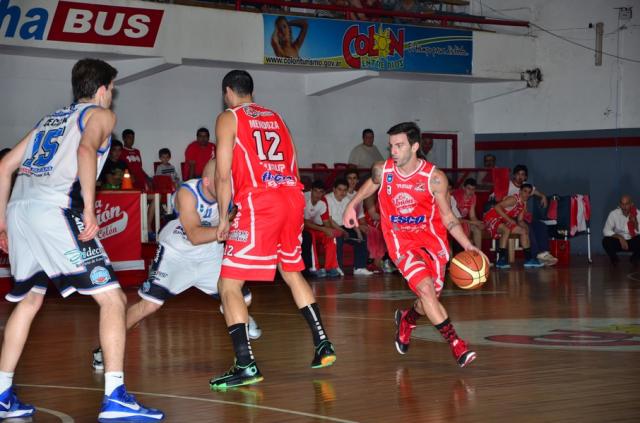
(403,331)
(98,361)
(237,376)
(324,356)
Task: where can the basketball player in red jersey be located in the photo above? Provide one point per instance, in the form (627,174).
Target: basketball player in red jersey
(415,213)
(256,157)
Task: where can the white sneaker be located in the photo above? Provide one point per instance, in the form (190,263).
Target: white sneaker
(340,271)
(254,329)
(547,258)
(362,272)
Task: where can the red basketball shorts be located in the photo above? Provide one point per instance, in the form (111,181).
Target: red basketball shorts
(416,264)
(267,231)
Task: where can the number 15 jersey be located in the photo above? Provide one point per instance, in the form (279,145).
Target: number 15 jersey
(48,171)
(263,155)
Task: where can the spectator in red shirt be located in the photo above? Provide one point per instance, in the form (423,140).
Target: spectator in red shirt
(198,153)
(131,156)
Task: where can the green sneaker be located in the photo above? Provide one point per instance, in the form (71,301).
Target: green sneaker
(325,355)
(237,376)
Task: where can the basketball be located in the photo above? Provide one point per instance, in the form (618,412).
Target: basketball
(469,270)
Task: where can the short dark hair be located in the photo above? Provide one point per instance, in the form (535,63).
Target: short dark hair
(239,81)
(203,129)
(128,132)
(409,128)
(469,181)
(526,185)
(164,151)
(4,152)
(367,131)
(318,184)
(486,156)
(88,75)
(351,171)
(520,167)
(116,143)
(340,181)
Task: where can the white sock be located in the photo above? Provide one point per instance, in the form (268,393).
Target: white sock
(111,381)
(6,380)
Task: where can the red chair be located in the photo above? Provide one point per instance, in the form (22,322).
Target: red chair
(163,184)
(340,166)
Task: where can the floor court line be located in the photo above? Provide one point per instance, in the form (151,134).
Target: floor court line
(215,401)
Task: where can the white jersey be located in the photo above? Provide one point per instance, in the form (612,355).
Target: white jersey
(174,237)
(49,168)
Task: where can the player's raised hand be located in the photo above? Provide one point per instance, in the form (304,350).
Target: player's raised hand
(349,218)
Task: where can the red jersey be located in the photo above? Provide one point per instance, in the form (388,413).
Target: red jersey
(465,204)
(200,155)
(409,215)
(512,212)
(263,155)
(133,159)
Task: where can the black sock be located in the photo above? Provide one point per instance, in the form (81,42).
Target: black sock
(527,253)
(312,314)
(412,316)
(241,345)
(502,254)
(447,331)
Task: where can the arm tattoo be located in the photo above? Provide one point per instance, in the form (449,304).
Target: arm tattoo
(452,225)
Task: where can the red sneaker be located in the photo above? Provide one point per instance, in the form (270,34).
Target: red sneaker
(403,332)
(462,353)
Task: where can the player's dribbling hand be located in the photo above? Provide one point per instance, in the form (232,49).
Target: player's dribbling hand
(349,219)
(223,231)
(90,227)
(475,249)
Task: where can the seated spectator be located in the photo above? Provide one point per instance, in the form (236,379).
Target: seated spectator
(315,232)
(132,157)
(113,169)
(375,240)
(198,153)
(506,218)
(337,201)
(409,6)
(366,4)
(538,233)
(165,168)
(351,175)
(466,204)
(366,154)
(622,232)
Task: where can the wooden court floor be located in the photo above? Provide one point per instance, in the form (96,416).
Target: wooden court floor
(554,345)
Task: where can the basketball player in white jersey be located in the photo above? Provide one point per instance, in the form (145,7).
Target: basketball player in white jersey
(49,227)
(188,254)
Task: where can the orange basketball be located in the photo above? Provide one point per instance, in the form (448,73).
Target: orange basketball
(469,270)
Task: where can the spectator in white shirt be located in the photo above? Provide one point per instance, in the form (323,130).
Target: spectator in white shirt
(365,154)
(315,232)
(337,202)
(622,232)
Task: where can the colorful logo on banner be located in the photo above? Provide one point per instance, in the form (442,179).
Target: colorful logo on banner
(365,45)
(118,215)
(81,23)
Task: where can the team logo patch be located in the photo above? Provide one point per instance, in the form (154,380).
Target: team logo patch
(404,202)
(389,177)
(99,276)
(238,235)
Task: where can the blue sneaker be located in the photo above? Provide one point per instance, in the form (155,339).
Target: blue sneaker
(533,263)
(10,406)
(502,263)
(121,406)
